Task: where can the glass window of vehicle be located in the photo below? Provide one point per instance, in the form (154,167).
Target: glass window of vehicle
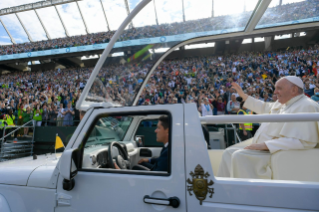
(114,142)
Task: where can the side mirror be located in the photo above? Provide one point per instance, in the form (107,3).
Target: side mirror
(68,168)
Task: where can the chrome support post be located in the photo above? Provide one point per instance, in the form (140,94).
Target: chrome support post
(62,22)
(45,29)
(107,22)
(4,26)
(84,22)
(183,8)
(25,29)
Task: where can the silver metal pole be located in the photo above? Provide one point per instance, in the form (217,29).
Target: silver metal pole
(107,23)
(65,29)
(25,29)
(4,26)
(183,8)
(45,29)
(84,22)
(128,12)
(229,119)
(156,18)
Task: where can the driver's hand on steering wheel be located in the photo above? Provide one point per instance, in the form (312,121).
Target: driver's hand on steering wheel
(145,160)
(116,166)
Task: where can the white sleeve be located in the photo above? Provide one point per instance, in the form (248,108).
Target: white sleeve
(283,143)
(257,106)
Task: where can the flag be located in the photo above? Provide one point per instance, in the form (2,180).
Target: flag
(58,143)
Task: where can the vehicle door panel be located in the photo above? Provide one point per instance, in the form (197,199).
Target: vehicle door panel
(116,190)
(270,194)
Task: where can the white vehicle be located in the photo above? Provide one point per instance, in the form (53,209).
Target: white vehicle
(84,178)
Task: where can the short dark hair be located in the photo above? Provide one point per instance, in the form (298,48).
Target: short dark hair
(164,121)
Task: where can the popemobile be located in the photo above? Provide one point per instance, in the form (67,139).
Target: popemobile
(124,157)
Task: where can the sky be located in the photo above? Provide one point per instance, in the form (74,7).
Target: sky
(168,11)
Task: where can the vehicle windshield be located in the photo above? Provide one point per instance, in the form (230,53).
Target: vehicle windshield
(158,27)
(109,129)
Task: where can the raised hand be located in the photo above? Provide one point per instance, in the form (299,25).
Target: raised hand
(239,91)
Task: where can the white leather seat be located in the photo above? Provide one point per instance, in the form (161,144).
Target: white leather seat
(215,155)
(299,165)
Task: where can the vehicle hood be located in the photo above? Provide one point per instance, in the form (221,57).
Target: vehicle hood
(18,171)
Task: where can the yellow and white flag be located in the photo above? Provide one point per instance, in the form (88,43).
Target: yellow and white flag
(58,143)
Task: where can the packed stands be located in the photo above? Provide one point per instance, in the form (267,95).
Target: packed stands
(205,81)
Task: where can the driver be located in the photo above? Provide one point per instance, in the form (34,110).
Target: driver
(160,163)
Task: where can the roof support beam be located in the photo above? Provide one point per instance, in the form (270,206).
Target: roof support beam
(33,6)
(84,22)
(213,11)
(156,18)
(128,11)
(183,8)
(4,26)
(64,27)
(107,23)
(25,29)
(45,29)
(257,14)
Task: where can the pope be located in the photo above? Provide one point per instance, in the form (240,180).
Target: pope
(253,161)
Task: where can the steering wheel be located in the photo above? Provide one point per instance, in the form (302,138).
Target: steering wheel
(122,162)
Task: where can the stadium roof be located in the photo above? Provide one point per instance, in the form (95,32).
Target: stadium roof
(31,20)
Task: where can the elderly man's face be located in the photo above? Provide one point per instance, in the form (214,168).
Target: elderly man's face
(285,91)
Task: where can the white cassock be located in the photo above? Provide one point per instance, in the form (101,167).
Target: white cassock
(241,163)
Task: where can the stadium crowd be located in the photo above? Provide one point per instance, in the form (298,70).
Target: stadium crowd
(49,97)
(283,13)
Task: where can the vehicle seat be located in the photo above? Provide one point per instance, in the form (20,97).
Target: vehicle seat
(300,165)
(215,155)
(285,165)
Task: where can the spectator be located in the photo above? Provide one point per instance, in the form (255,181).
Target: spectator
(220,105)
(245,129)
(60,115)
(315,97)
(27,116)
(68,115)
(309,91)
(37,115)
(45,115)
(233,105)
(53,113)
(206,107)
(20,118)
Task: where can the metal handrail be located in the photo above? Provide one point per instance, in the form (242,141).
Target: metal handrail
(18,127)
(236,134)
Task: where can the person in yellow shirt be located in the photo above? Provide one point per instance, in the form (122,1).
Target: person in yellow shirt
(9,118)
(245,129)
